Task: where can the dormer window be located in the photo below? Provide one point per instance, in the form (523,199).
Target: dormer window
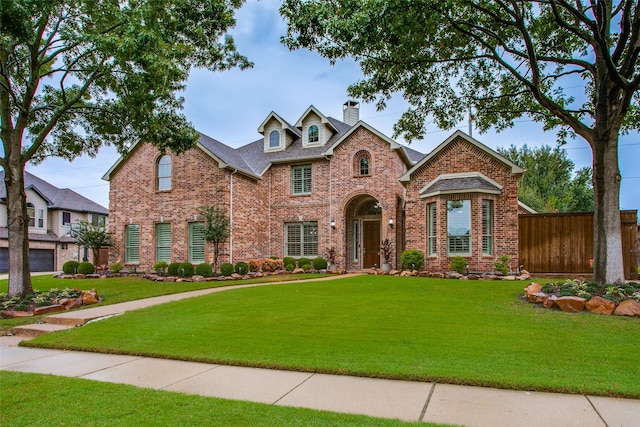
(313,134)
(274,139)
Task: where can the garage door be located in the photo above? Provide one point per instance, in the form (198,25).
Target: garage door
(39,260)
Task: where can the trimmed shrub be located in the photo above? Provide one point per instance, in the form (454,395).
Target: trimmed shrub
(160,268)
(289,263)
(458,264)
(70,267)
(255,265)
(502,265)
(172,269)
(304,263)
(242,267)
(226,269)
(204,269)
(86,268)
(319,263)
(116,267)
(412,259)
(271,265)
(186,268)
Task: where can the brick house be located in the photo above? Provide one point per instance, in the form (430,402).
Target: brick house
(317,184)
(54,213)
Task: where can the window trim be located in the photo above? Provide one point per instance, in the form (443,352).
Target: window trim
(40,218)
(302,180)
(275,133)
(132,244)
(313,134)
(488,223)
(162,175)
(308,239)
(464,238)
(432,229)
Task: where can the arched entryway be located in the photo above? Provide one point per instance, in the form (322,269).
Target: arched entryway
(364,219)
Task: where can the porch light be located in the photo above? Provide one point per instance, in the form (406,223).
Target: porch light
(390,222)
(333,223)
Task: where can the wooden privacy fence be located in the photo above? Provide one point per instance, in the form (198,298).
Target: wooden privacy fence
(562,243)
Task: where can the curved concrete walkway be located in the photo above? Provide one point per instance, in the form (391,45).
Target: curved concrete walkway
(405,400)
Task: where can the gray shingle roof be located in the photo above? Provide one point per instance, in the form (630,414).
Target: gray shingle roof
(57,198)
(459,184)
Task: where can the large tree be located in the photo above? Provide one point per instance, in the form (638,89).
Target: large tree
(504,59)
(79,74)
(550,184)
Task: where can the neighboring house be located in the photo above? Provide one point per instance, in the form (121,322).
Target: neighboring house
(53,214)
(317,184)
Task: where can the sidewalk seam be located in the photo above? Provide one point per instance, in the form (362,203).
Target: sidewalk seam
(596,409)
(215,366)
(293,389)
(424,408)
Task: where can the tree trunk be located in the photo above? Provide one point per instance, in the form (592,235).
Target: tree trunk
(607,265)
(19,273)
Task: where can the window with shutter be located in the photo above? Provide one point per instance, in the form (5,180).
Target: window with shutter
(132,244)
(196,242)
(163,242)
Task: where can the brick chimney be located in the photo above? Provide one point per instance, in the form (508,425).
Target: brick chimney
(351,112)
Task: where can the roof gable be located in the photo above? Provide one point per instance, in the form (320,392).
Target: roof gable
(515,169)
(465,182)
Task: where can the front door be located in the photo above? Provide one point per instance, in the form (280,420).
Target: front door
(370,244)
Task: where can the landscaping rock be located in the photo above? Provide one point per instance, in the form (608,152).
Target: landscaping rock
(524,277)
(550,302)
(532,289)
(538,298)
(48,309)
(90,297)
(509,278)
(571,304)
(198,278)
(298,271)
(394,272)
(236,276)
(12,314)
(79,276)
(73,303)
(453,275)
(600,305)
(473,277)
(405,273)
(437,275)
(628,308)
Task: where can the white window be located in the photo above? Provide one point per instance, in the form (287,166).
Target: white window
(66,218)
(487,227)
(164,173)
(132,244)
(274,139)
(40,218)
(431,229)
(313,134)
(31,213)
(163,242)
(196,242)
(459,227)
(301,179)
(301,239)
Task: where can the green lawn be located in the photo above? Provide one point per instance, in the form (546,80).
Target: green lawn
(461,332)
(31,400)
(121,289)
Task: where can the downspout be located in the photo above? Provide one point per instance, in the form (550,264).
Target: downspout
(231,215)
(330,203)
(269,215)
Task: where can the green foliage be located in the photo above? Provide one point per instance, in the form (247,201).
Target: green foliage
(304,263)
(319,263)
(289,263)
(204,269)
(39,298)
(160,268)
(217,227)
(412,259)
(548,184)
(459,264)
(70,267)
(242,267)
(86,268)
(172,269)
(226,269)
(502,265)
(116,267)
(185,269)
(587,290)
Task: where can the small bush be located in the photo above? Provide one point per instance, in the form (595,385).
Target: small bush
(271,264)
(186,268)
(242,267)
(116,267)
(304,263)
(86,268)
(226,269)
(255,265)
(204,270)
(319,263)
(289,263)
(160,268)
(70,267)
(412,259)
(173,268)
(502,265)
(459,264)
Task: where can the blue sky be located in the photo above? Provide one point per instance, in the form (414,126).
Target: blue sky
(229,107)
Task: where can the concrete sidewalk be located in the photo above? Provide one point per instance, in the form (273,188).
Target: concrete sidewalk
(405,400)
